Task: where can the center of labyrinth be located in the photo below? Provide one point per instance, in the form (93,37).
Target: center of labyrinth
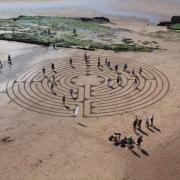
(97,90)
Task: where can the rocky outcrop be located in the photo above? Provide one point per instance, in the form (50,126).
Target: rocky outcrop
(174,20)
(102,19)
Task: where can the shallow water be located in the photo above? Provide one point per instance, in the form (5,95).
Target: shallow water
(152,10)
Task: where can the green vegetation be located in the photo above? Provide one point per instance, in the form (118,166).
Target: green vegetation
(90,33)
(175,26)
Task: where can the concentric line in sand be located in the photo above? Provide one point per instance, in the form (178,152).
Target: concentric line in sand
(32,90)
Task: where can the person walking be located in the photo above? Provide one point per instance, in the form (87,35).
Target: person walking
(152,120)
(147,123)
(116,67)
(52,87)
(64,99)
(86,57)
(76,110)
(99,62)
(49,32)
(106,61)
(52,66)
(139,124)
(125,67)
(139,141)
(70,61)
(135,123)
(53,79)
(54,46)
(109,82)
(71,92)
(109,64)
(119,79)
(140,71)
(43,71)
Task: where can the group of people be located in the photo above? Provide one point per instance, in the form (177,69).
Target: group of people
(129,141)
(119,79)
(107,63)
(47,32)
(137,123)
(125,141)
(53,84)
(9,61)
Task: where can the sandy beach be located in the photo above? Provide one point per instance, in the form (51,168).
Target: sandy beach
(44,147)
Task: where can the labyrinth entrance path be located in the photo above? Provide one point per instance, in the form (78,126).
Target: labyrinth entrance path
(31,90)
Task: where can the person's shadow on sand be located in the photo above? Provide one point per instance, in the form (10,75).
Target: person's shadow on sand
(144,152)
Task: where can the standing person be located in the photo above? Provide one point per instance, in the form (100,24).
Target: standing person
(53,79)
(9,59)
(70,61)
(118,79)
(76,110)
(49,32)
(64,99)
(133,72)
(147,123)
(109,82)
(140,70)
(139,123)
(0,64)
(52,87)
(109,64)
(71,92)
(152,120)
(44,71)
(74,32)
(116,67)
(125,67)
(86,58)
(135,83)
(52,66)
(54,46)
(99,62)
(106,61)
(139,141)
(135,123)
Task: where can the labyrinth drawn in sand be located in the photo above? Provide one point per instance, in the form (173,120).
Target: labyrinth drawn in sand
(95,99)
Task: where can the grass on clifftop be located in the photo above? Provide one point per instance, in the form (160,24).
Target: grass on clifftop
(35,30)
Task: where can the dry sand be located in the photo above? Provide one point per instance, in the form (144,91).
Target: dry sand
(53,148)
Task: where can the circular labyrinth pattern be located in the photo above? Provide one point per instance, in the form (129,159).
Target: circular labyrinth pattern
(32,90)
